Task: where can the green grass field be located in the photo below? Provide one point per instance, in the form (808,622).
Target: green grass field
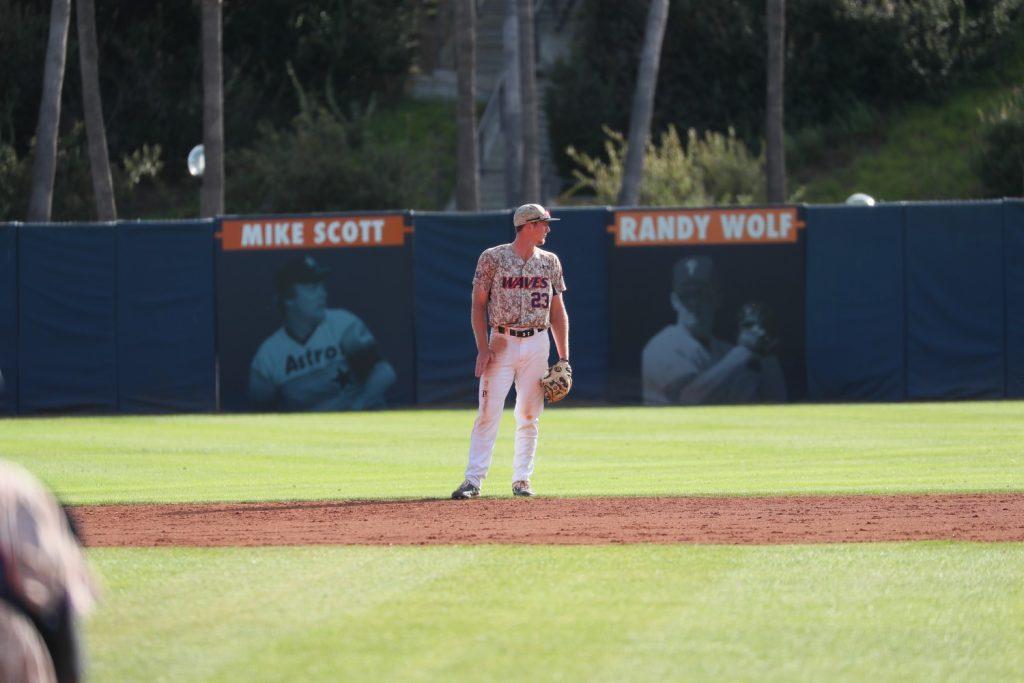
(908,611)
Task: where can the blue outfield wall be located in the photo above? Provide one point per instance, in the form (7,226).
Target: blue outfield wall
(1013,261)
(445,251)
(955,290)
(165,317)
(855,303)
(8,319)
(116,317)
(903,301)
(67,339)
(581,240)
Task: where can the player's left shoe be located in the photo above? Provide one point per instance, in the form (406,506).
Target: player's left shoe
(522,488)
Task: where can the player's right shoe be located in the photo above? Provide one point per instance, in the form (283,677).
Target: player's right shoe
(467,489)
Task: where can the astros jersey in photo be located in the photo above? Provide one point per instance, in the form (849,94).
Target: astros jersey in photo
(316,374)
(520,291)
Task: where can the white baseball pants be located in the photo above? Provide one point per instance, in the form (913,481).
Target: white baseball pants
(522,360)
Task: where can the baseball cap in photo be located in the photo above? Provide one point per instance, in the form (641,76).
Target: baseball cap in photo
(693,272)
(301,269)
(531,213)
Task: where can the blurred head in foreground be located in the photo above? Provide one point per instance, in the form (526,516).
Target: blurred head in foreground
(45,583)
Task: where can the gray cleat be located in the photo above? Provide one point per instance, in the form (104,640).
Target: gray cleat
(522,488)
(467,489)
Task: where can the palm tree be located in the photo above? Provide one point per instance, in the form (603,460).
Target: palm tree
(643,102)
(512,106)
(212,193)
(44,164)
(775,150)
(528,84)
(467,177)
(96,132)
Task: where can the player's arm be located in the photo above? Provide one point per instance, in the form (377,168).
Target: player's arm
(262,392)
(380,378)
(479,321)
(370,369)
(705,387)
(662,381)
(560,326)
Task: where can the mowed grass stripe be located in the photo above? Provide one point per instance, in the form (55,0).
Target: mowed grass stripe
(921,611)
(753,450)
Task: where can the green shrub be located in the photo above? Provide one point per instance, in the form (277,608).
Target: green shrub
(326,161)
(709,169)
(999,161)
(72,184)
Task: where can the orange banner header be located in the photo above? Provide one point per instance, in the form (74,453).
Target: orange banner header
(313,232)
(705,226)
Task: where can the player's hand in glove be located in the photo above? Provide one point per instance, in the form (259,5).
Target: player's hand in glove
(557,381)
(758,329)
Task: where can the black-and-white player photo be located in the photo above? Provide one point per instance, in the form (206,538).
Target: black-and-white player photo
(686,364)
(320,358)
(707,325)
(327,328)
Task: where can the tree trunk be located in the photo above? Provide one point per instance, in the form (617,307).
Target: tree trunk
(528,83)
(212,193)
(775,149)
(467,174)
(512,106)
(643,103)
(92,101)
(44,164)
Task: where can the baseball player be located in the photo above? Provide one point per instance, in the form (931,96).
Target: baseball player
(517,293)
(319,359)
(685,364)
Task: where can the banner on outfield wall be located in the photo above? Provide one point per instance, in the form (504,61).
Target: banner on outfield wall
(315,313)
(707,306)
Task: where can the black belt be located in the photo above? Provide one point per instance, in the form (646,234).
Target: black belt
(518,333)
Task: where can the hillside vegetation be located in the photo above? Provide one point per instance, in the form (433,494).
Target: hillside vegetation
(880,96)
(923,151)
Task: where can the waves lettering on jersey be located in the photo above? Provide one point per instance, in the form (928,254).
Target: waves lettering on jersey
(524,283)
(310,358)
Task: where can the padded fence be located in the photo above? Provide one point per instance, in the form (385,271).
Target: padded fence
(67,324)
(903,301)
(115,317)
(855,303)
(8,319)
(165,317)
(580,239)
(956,331)
(1013,258)
(447,246)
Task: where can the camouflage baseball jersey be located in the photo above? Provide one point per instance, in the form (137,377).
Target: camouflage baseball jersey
(520,291)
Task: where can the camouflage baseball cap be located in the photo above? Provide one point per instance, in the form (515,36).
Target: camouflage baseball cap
(531,213)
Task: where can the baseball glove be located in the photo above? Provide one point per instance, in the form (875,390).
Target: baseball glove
(758,328)
(557,381)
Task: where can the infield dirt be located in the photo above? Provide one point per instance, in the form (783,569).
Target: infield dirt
(562,521)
